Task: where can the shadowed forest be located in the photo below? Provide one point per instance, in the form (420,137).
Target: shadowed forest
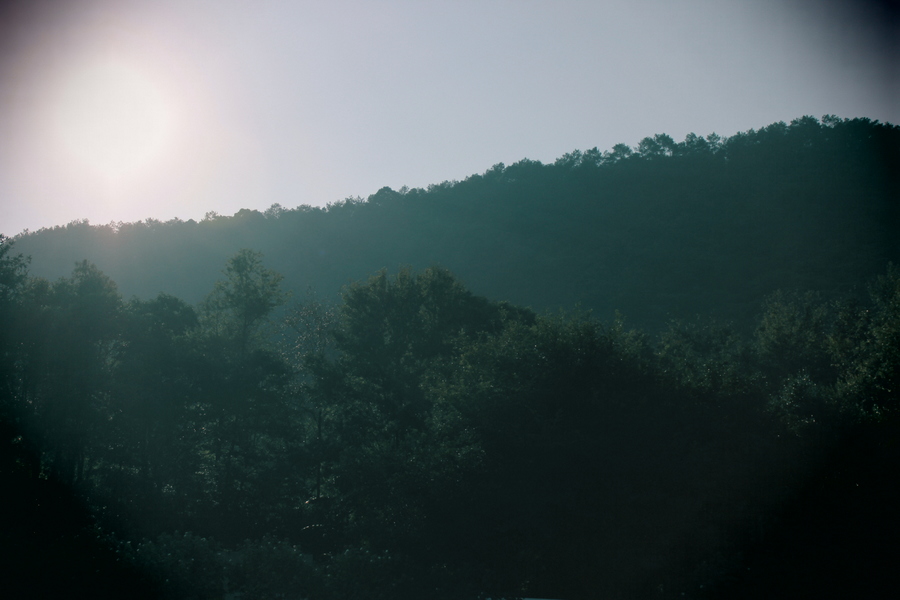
(662,371)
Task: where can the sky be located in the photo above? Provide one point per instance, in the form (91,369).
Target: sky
(118,111)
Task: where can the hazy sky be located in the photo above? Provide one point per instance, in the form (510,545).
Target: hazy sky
(115,110)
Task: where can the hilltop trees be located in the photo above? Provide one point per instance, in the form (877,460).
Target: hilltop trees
(416,439)
(667,229)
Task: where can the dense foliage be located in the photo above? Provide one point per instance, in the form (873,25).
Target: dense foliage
(235,438)
(707,226)
(420,441)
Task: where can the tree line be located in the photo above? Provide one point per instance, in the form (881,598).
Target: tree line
(418,440)
(660,230)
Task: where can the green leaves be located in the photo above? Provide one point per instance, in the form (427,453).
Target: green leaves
(871,379)
(13,272)
(427,436)
(240,303)
(394,329)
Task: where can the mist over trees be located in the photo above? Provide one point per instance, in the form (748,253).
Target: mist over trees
(707,226)
(240,431)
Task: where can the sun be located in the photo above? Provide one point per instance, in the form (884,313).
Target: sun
(112,118)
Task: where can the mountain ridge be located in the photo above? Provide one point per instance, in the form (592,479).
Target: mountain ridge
(659,231)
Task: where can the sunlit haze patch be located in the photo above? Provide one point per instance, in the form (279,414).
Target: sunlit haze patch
(111,118)
(122,110)
(117,111)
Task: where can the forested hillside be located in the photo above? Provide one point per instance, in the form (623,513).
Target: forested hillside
(706,226)
(175,423)
(421,441)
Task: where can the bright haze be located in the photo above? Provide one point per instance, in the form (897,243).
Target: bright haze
(121,111)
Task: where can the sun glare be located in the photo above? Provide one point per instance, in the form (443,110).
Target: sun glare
(112,118)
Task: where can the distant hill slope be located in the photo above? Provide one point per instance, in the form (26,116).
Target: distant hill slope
(705,226)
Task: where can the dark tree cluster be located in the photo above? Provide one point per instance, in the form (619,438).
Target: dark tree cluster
(417,440)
